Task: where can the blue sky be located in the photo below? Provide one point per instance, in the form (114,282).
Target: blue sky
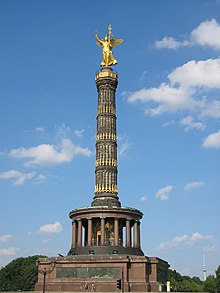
(168,107)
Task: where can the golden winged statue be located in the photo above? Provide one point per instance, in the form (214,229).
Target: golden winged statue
(107,45)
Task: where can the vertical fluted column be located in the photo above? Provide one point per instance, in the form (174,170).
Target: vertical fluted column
(135,231)
(79,238)
(121,238)
(116,234)
(128,232)
(139,234)
(73,234)
(102,231)
(89,232)
(85,233)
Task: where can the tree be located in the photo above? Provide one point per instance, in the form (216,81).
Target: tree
(184,283)
(218,279)
(20,274)
(209,284)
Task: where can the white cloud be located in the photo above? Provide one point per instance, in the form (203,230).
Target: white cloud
(79,132)
(197,74)
(163,193)
(189,123)
(197,237)
(194,86)
(184,239)
(18,178)
(170,99)
(184,92)
(143,76)
(51,228)
(168,123)
(211,248)
(170,43)
(40,179)
(40,129)
(207,34)
(45,241)
(194,185)
(123,145)
(8,251)
(62,131)
(50,155)
(211,109)
(143,198)
(175,242)
(5,238)
(212,140)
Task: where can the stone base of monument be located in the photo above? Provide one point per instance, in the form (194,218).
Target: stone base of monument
(100,273)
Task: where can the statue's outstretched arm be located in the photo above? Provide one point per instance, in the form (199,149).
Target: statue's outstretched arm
(96,36)
(99,42)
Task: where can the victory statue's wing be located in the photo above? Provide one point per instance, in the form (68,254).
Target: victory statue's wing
(115,42)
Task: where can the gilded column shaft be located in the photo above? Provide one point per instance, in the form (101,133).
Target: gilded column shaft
(106,189)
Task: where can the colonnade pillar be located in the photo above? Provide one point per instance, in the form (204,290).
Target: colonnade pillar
(128,232)
(89,232)
(79,238)
(136,231)
(73,234)
(139,234)
(116,234)
(135,234)
(102,231)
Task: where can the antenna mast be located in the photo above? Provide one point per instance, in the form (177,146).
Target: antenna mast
(204,268)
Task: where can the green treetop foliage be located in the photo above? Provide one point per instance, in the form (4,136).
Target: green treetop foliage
(180,283)
(218,279)
(210,284)
(19,275)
